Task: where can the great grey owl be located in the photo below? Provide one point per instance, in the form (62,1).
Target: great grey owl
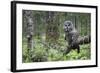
(71,35)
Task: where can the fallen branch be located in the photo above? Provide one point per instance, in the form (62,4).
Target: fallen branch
(84,40)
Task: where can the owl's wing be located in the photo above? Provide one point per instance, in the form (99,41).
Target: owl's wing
(75,36)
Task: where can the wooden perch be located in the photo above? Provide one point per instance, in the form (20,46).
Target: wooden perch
(84,40)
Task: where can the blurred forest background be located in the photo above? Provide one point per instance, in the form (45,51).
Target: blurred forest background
(43,36)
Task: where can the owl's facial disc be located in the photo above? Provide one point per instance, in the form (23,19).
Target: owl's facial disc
(68,26)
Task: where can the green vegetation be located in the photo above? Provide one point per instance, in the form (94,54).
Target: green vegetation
(42,52)
(43,36)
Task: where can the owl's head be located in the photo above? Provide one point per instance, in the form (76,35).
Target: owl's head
(68,26)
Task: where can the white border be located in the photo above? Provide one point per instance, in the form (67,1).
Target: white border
(21,65)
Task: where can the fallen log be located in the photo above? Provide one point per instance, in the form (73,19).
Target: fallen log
(84,40)
(81,40)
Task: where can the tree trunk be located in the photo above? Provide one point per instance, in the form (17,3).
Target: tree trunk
(52,29)
(29,29)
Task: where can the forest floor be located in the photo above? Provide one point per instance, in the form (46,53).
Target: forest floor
(42,52)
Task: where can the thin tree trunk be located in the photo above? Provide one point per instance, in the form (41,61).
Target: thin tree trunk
(29,29)
(52,29)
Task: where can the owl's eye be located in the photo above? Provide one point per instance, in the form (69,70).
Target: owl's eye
(65,25)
